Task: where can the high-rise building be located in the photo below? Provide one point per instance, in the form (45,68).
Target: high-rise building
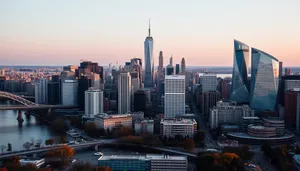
(240,87)
(225,88)
(174,102)
(287,71)
(169,70)
(209,100)
(177,69)
(290,108)
(93,102)
(70,68)
(140,101)
(124,93)
(298,113)
(171,61)
(84,84)
(41,91)
(149,60)
(95,81)
(54,90)
(183,66)
(2,72)
(208,82)
(160,64)
(264,81)
(69,92)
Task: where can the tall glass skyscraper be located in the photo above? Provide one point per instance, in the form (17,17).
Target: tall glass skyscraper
(264,81)
(240,87)
(149,61)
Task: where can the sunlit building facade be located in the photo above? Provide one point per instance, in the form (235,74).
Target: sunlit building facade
(149,60)
(239,87)
(264,81)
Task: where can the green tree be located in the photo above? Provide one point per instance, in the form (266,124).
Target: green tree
(9,147)
(189,144)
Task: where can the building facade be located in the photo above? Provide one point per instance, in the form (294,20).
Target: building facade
(41,91)
(145,126)
(209,100)
(240,87)
(183,66)
(170,128)
(93,102)
(174,102)
(208,82)
(264,81)
(149,60)
(69,93)
(110,122)
(124,93)
(225,112)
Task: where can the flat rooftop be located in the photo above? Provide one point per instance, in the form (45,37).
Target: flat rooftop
(179,121)
(142,157)
(106,116)
(251,117)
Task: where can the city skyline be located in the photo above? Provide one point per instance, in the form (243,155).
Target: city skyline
(61,33)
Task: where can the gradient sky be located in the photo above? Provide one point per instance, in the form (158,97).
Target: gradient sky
(60,32)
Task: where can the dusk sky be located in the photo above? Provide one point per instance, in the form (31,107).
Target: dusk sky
(61,32)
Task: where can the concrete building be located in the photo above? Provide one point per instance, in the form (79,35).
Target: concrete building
(137,115)
(146,162)
(261,131)
(93,102)
(110,122)
(275,122)
(41,91)
(290,107)
(174,101)
(183,66)
(145,126)
(184,127)
(149,60)
(208,82)
(225,112)
(209,100)
(69,92)
(124,93)
(246,121)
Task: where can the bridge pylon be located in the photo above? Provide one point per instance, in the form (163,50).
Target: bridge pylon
(20,118)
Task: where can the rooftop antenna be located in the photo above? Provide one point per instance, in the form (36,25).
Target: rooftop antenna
(149,30)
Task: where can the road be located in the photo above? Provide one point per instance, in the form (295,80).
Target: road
(209,141)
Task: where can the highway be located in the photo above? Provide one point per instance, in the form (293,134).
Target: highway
(210,143)
(23,107)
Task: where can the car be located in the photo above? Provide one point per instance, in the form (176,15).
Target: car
(73,161)
(98,154)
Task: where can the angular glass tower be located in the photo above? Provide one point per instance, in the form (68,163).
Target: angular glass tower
(149,61)
(240,87)
(264,81)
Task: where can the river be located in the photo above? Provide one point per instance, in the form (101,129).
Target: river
(11,132)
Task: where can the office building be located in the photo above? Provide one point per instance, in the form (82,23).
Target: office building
(264,81)
(290,108)
(110,122)
(298,113)
(84,84)
(124,92)
(287,83)
(208,82)
(149,60)
(93,102)
(148,162)
(252,120)
(70,68)
(183,66)
(142,127)
(287,71)
(95,81)
(174,102)
(160,64)
(2,72)
(225,88)
(54,90)
(275,122)
(209,100)
(177,69)
(69,93)
(135,82)
(261,131)
(228,113)
(240,87)
(41,91)
(170,128)
(67,75)
(140,101)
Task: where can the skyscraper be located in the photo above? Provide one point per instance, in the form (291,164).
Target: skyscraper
(174,96)
(149,61)
(239,87)
(124,93)
(93,102)
(264,81)
(183,66)
(177,69)
(160,64)
(69,92)
(54,90)
(208,82)
(41,91)
(171,61)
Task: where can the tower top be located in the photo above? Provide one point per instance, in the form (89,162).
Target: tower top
(149,30)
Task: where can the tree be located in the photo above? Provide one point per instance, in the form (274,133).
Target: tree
(189,144)
(267,149)
(61,156)
(12,164)
(205,161)
(218,167)
(27,145)
(200,135)
(3,147)
(63,140)
(51,141)
(29,167)
(59,125)
(9,147)
(47,142)
(125,131)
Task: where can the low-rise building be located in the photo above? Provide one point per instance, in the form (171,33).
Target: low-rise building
(275,122)
(184,127)
(248,121)
(106,121)
(144,162)
(37,162)
(137,115)
(228,112)
(145,126)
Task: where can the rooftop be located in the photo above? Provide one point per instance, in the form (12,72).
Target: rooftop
(142,157)
(178,121)
(251,118)
(106,116)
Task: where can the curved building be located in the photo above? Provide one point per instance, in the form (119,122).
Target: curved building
(264,81)
(239,87)
(149,61)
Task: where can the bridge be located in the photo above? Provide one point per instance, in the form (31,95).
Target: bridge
(27,104)
(92,143)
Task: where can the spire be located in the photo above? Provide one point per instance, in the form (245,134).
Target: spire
(149,30)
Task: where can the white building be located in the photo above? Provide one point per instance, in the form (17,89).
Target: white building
(106,121)
(174,102)
(95,81)
(208,82)
(69,92)
(144,127)
(225,112)
(124,92)
(93,102)
(41,91)
(38,163)
(184,127)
